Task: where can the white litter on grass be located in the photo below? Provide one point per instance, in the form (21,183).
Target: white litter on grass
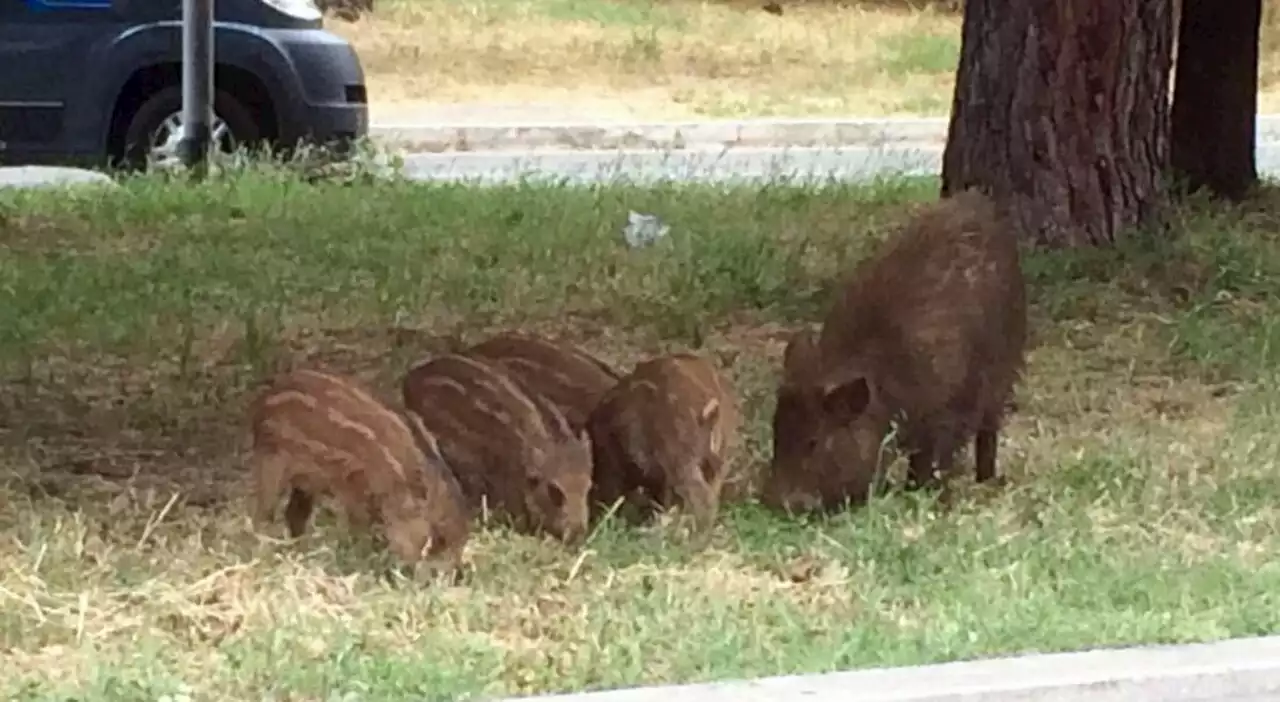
(643,229)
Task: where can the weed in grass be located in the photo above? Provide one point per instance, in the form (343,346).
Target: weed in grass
(1142,458)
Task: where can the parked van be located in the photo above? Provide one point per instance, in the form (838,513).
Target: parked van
(99,82)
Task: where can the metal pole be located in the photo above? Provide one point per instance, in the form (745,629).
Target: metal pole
(197,84)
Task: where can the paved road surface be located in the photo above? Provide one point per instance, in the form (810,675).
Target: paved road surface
(740,164)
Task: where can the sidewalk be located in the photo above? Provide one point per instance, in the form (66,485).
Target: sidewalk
(1235,670)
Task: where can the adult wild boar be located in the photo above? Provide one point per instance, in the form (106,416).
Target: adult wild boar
(929,334)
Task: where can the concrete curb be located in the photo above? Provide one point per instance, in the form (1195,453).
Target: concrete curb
(660,135)
(1239,670)
(52,176)
(679,135)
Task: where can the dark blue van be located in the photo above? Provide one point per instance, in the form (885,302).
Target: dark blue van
(99,82)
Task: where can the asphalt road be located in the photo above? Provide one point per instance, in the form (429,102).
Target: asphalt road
(735,165)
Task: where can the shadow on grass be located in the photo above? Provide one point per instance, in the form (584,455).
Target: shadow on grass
(142,319)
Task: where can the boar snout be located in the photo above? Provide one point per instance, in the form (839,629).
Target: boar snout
(409,540)
(699,500)
(571,534)
(559,511)
(790,501)
(575,522)
(446,566)
(563,525)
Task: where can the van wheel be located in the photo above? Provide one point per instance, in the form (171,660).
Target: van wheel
(156,128)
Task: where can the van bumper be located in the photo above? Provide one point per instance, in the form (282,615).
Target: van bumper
(331,101)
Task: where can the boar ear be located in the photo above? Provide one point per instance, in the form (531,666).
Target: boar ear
(537,483)
(710,468)
(848,398)
(789,401)
(790,415)
(800,353)
(556,494)
(710,413)
(426,440)
(533,482)
(716,442)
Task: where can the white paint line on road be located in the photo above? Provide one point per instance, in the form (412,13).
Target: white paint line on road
(1241,670)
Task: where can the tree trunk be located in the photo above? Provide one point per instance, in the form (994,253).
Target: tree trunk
(1061,112)
(1215,96)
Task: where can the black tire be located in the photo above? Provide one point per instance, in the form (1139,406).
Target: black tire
(154,110)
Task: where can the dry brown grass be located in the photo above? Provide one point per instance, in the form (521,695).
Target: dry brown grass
(639,60)
(665,60)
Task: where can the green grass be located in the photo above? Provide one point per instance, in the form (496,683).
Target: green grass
(639,15)
(1143,456)
(904,55)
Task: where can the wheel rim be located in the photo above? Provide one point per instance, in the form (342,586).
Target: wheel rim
(166,138)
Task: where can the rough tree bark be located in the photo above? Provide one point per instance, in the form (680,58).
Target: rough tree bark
(1215,96)
(1061,111)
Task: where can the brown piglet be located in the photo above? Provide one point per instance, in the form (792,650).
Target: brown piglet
(572,379)
(664,436)
(930,334)
(317,434)
(511,450)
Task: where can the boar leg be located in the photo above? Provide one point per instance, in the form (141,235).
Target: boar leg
(984,449)
(608,484)
(269,471)
(639,506)
(298,512)
(946,459)
(920,471)
(929,467)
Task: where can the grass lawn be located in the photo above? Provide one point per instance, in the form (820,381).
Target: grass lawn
(1143,459)
(670,59)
